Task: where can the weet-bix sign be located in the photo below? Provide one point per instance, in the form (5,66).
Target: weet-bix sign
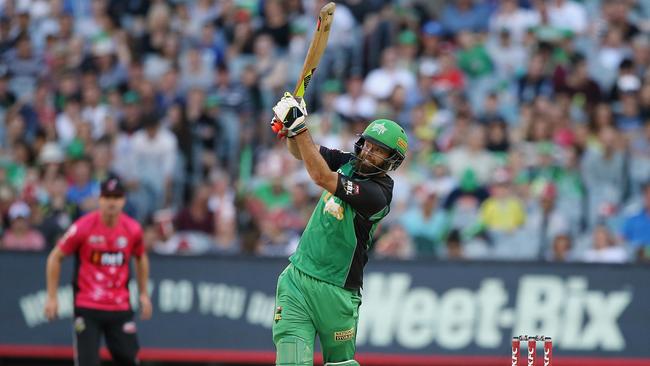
(409,308)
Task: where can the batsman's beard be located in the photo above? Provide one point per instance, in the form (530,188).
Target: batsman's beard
(365,168)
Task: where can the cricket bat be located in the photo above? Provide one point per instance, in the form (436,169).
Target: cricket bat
(314,53)
(316,48)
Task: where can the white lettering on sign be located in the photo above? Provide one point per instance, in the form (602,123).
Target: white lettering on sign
(414,318)
(175,296)
(221,300)
(260,309)
(33,306)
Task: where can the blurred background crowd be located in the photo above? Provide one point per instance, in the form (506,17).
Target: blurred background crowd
(528,120)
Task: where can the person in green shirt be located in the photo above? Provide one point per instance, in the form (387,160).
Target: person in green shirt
(319,291)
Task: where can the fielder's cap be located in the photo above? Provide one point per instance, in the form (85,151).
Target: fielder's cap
(112,187)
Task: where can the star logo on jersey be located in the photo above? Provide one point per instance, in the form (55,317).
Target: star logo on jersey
(379,128)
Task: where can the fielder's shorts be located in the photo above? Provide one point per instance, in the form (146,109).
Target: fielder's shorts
(118,329)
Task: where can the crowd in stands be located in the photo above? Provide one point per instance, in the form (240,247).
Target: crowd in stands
(528,121)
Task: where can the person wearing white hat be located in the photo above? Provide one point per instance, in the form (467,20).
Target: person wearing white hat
(20,235)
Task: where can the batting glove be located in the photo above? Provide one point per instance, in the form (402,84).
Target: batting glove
(290,116)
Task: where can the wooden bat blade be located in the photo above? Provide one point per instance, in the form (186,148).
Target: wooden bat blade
(316,48)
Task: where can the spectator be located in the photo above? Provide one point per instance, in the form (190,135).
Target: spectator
(395,244)
(196,71)
(562,245)
(58,212)
(545,222)
(454,246)
(472,58)
(25,67)
(83,190)
(567,14)
(603,170)
(534,83)
(604,248)
(503,211)
(513,20)
(636,228)
(380,83)
(197,216)
(154,155)
(20,235)
(507,55)
(465,15)
(578,84)
(426,223)
(355,102)
(463,203)
(472,155)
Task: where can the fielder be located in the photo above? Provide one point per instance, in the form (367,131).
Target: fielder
(319,291)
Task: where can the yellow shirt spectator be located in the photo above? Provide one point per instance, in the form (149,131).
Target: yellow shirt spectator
(502,214)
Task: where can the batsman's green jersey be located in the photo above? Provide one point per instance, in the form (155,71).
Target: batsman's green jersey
(318,293)
(334,246)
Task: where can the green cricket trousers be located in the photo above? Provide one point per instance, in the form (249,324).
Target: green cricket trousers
(306,306)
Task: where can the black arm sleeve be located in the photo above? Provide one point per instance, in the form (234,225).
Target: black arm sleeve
(367,197)
(334,158)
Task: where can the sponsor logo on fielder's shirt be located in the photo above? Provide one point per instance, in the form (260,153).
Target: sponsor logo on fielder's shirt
(344,335)
(111,259)
(121,242)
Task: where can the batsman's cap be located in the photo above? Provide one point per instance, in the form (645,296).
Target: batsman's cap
(112,187)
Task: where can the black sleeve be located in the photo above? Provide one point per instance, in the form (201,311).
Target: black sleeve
(366,197)
(334,158)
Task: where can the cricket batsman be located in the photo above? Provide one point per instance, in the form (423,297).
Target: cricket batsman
(319,291)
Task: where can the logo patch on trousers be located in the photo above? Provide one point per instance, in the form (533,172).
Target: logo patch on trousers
(79,324)
(344,335)
(278,314)
(129,327)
